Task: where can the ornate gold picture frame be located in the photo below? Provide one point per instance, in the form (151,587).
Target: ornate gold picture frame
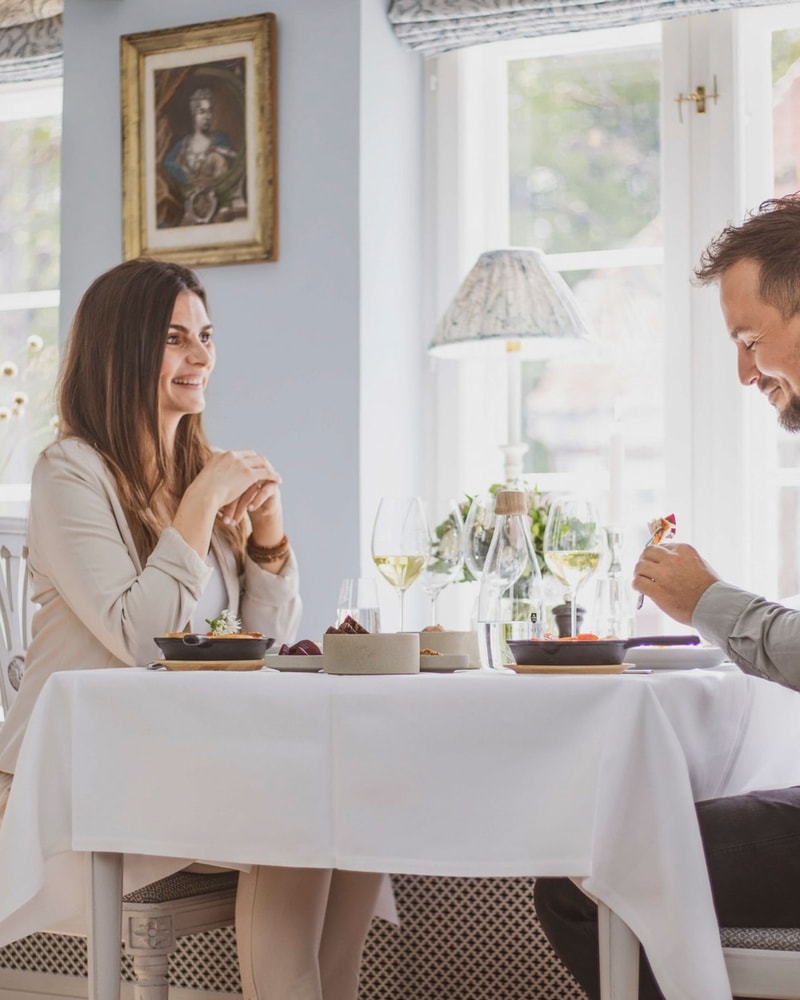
(199,142)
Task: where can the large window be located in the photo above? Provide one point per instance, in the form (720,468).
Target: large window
(30,137)
(584,186)
(579,145)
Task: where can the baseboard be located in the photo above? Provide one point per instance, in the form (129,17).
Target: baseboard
(21,985)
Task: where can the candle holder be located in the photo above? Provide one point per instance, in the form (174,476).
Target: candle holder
(613,603)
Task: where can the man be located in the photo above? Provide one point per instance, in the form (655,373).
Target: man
(751,842)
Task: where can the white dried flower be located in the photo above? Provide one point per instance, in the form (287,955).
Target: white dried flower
(35,343)
(226,623)
(20,398)
(5,413)
(9,368)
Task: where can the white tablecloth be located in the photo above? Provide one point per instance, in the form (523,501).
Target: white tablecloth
(467,774)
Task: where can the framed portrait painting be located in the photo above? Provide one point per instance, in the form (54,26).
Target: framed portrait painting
(199,142)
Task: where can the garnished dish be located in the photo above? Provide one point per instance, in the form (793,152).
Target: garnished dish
(216,645)
(457,649)
(302,657)
(575,651)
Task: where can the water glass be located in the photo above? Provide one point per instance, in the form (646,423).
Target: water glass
(358,597)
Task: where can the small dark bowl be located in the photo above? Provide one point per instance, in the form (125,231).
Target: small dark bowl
(193,646)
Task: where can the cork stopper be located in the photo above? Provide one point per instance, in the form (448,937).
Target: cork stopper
(510,502)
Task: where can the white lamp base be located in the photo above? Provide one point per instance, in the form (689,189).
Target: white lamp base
(512,466)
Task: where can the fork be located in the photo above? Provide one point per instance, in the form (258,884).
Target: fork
(652,540)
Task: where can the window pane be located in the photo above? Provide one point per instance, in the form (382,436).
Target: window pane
(786,158)
(584,150)
(788,519)
(571,403)
(29,198)
(785,106)
(584,176)
(30,169)
(28,368)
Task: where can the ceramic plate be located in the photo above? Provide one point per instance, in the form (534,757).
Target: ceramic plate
(211,664)
(301,664)
(674,657)
(444,663)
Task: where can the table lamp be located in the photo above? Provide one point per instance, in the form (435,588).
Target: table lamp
(512,302)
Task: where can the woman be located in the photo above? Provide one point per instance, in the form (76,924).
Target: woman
(137,528)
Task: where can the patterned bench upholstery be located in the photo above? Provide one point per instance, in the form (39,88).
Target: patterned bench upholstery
(767,938)
(459,939)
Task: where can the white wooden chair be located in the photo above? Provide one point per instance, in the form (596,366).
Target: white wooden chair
(154,917)
(763,962)
(16,612)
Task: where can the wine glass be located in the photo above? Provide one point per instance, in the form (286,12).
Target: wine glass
(400,542)
(478,531)
(573,544)
(446,560)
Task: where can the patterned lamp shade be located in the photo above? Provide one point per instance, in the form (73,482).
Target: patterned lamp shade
(510,297)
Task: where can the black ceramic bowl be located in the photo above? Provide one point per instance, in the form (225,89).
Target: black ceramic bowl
(193,646)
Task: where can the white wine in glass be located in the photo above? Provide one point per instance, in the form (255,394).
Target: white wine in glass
(400,543)
(573,545)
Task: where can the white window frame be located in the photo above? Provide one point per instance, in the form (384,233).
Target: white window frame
(34,99)
(720,451)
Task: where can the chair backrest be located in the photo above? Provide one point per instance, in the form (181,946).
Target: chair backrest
(16,612)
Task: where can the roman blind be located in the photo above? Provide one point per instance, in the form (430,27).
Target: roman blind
(436,26)
(30,39)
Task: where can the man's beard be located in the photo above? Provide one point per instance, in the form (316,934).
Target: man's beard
(789,416)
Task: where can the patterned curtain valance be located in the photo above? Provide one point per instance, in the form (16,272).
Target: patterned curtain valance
(30,39)
(436,26)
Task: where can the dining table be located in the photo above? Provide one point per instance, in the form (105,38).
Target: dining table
(127,774)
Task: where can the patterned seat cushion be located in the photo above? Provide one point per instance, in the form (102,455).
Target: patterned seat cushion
(183,884)
(766,938)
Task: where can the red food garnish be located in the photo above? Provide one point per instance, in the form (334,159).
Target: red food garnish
(305,647)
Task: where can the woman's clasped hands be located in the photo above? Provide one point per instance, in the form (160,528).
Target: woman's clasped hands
(239,483)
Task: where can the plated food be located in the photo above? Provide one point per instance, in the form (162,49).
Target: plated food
(197,646)
(442,663)
(596,652)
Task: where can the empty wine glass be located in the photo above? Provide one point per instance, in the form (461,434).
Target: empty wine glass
(400,542)
(446,560)
(573,544)
(478,530)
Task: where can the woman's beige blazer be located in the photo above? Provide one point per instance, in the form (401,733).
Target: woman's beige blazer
(99,606)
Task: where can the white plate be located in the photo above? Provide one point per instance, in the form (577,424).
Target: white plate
(674,657)
(444,663)
(302,664)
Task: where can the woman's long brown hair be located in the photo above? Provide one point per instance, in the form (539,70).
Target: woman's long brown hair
(108,392)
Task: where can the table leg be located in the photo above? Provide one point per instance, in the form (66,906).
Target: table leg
(619,957)
(105,925)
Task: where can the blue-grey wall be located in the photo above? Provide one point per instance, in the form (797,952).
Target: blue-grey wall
(319,353)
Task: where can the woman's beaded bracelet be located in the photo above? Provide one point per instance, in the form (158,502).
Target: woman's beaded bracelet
(267,554)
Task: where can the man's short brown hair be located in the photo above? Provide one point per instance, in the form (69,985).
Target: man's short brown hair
(770,236)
